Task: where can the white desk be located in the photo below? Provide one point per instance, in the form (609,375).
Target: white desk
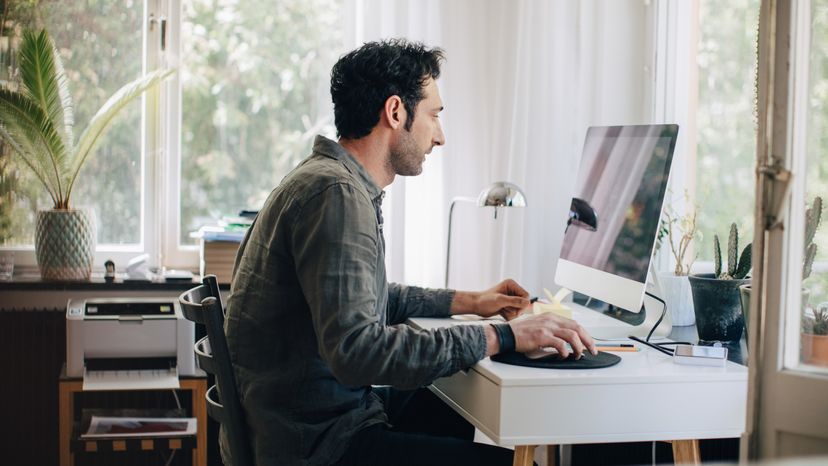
(645,397)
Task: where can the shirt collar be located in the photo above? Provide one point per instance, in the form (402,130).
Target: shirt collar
(332,149)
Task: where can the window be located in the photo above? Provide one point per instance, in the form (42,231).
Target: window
(250,94)
(726,120)
(255,78)
(99,57)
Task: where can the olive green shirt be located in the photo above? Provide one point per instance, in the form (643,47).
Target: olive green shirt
(312,322)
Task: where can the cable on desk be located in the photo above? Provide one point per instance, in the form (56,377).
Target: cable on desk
(654,346)
(663,313)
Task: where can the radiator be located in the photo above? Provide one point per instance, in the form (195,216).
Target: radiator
(32,350)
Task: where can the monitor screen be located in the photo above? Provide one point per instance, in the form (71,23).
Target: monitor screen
(615,212)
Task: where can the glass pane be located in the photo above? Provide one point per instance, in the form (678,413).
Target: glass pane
(255,93)
(815,285)
(101,46)
(726,118)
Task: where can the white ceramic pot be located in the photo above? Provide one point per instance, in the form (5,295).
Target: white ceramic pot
(679,298)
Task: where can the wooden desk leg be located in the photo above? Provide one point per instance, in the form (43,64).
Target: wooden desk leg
(199,389)
(66,405)
(524,455)
(686,452)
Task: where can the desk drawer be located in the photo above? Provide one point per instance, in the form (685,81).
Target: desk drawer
(568,413)
(475,397)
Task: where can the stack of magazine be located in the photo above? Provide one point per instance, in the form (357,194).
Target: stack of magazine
(105,427)
(218,245)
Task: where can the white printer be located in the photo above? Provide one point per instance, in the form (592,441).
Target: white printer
(128,343)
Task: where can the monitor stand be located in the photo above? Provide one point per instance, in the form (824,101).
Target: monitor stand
(604,327)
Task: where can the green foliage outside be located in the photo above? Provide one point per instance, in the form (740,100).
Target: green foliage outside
(255,93)
(817,143)
(17,184)
(726,117)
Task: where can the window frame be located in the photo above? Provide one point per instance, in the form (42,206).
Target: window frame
(172,253)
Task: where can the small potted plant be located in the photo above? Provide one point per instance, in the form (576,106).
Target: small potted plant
(815,335)
(678,233)
(716,300)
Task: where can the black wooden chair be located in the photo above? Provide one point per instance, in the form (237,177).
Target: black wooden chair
(202,305)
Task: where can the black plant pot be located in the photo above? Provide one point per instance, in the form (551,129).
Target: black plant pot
(718,307)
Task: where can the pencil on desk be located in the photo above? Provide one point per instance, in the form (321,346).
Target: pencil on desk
(617,348)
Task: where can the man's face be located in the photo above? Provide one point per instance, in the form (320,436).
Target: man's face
(409,150)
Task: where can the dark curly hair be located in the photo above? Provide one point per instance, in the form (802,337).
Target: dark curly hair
(362,80)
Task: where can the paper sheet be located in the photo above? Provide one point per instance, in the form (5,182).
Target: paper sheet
(151,379)
(130,427)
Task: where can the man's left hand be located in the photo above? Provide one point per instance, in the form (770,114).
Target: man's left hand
(507,298)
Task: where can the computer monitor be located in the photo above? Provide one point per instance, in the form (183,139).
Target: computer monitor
(615,213)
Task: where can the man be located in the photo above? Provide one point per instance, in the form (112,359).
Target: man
(312,322)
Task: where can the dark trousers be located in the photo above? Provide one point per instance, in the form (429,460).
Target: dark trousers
(424,432)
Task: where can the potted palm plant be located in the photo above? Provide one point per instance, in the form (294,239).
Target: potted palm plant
(678,233)
(716,300)
(36,121)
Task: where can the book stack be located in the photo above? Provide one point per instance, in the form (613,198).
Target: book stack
(219,245)
(217,257)
(217,253)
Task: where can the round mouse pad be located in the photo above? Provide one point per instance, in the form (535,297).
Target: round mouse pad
(587,361)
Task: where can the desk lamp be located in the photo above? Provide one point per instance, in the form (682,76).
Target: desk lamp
(498,194)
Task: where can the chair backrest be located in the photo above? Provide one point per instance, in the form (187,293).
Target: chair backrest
(202,305)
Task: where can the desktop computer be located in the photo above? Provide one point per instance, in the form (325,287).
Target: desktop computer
(612,229)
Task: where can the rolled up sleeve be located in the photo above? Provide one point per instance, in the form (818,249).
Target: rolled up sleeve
(335,240)
(411,301)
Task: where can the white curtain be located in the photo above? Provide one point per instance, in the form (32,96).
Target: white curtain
(522,82)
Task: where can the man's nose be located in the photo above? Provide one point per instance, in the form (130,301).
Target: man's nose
(439,138)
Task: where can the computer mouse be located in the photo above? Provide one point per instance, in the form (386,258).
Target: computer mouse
(543,352)
(550,352)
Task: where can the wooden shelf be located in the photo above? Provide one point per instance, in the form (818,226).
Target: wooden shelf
(69,428)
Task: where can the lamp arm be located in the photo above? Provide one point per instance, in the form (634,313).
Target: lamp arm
(448,241)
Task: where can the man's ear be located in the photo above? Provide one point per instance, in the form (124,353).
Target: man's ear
(394,112)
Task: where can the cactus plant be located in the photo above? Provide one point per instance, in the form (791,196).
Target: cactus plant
(812,218)
(736,269)
(817,323)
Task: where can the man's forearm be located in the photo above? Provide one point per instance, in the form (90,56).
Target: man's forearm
(464,302)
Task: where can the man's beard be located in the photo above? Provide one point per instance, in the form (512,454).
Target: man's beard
(406,159)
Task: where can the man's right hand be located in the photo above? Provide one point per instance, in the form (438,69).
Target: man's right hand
(544,330)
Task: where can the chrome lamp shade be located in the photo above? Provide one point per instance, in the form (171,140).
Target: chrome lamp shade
(501,194)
